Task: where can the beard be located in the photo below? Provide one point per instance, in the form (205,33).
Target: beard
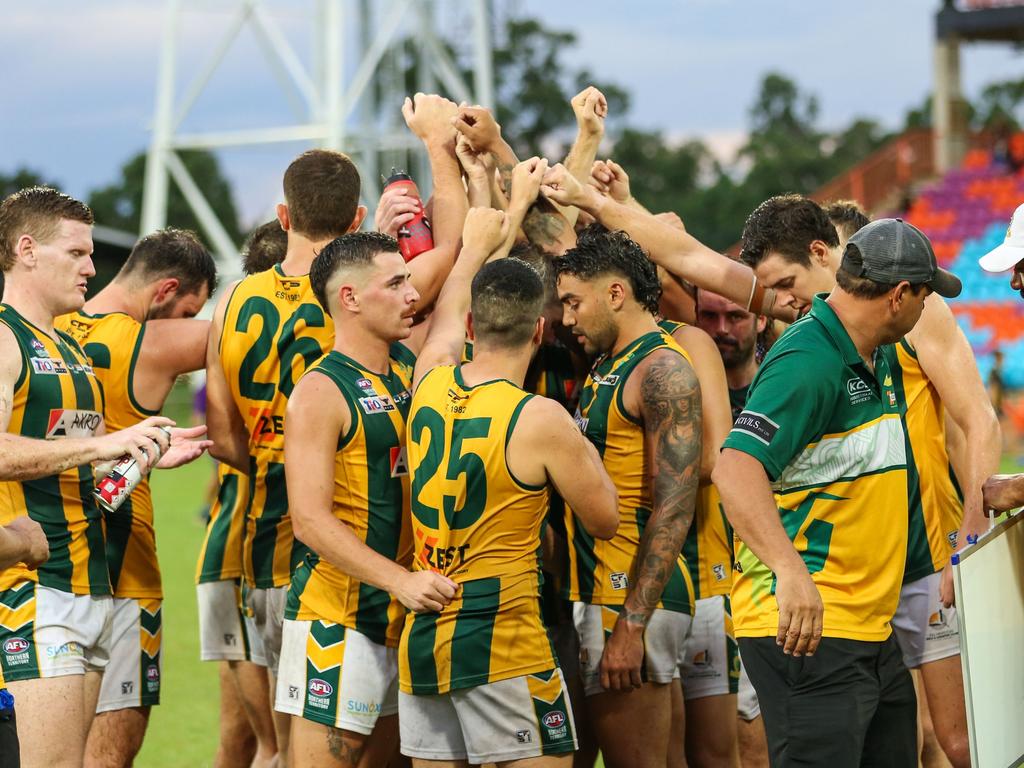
(735,354)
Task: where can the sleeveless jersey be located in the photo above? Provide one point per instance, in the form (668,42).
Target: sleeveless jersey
(112,342)
(600,572)
(936,509)
(220,558)
(476,523)
(708,545)
(274,330)
(371,497)
(56,395)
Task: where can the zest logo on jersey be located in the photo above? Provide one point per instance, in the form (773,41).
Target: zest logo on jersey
(65,422)
(15,645)
(48,366)
(267,426)
(399,461)
(321,688)
(376,404)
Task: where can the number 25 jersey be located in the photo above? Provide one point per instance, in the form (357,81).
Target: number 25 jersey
(274,329)
(474,522)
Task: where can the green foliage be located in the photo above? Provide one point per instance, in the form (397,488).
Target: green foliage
(21,178)
(119,205)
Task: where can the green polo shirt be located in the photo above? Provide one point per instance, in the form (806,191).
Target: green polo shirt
(830,436)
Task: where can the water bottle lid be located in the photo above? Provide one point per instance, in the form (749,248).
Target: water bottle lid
(396,175)
(6,699)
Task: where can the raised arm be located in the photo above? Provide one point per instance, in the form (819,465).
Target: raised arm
(224,422)
(317,415)
(590,108)
(484,232)
(675,250)
(946,358)
(430,117)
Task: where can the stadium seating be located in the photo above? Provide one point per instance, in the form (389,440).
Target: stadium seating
(965,213)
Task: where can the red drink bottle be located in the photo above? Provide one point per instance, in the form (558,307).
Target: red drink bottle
(414,237)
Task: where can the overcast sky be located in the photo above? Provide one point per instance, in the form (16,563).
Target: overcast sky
(79,77)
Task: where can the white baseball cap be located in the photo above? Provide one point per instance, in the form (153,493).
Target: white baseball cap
(1011,251)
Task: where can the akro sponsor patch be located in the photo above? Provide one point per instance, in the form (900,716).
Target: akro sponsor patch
(67,422)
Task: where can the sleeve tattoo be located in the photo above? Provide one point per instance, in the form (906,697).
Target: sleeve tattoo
(671,408)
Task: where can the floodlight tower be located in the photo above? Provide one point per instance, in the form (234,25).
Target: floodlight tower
(333,107)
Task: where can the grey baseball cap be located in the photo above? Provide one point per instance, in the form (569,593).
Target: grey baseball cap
(891,250)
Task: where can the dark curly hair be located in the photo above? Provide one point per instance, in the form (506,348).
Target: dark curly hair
(613,253)
(786,225)
(351,250)
(173,253)
(265,247)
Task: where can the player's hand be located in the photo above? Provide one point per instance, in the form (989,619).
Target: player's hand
(430,117)
(395,208)
(611,179)
(563,188)
(623,655)
(527,177)
(473,161)
(590,108)
(479,126)
(422,591)
(144,442)
(800,613)
(37,549)
(1002,492)
(946,592)
(485,230)
(185,447)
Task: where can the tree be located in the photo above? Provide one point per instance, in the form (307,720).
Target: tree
(21,178)
(119,205)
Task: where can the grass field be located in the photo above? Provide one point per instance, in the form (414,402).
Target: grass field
(183,729)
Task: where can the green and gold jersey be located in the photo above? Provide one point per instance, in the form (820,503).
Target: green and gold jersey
(600,572)
(708,545)
(371,497)
(274,330)
(476,523)
(220,558)
(113,342)
(936,509)
(830,436)
(56,396)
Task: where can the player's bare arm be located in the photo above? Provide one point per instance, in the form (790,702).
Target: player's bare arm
(946,358)
(170,348)
(750,506)
(551,448)
(224,422)
(478,167)
(666,396)
(590,108)
(485,230)
(27,458)
(23,541)
(675,250)
(716,414)
(430,118)
(317,415)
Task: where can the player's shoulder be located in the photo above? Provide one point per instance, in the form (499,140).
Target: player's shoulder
(540,417)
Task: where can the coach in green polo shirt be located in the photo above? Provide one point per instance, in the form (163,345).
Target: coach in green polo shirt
(813,478)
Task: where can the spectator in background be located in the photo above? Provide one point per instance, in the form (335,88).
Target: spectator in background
(1002,492)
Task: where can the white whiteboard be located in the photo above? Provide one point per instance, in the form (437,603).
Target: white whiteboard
(989,582)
